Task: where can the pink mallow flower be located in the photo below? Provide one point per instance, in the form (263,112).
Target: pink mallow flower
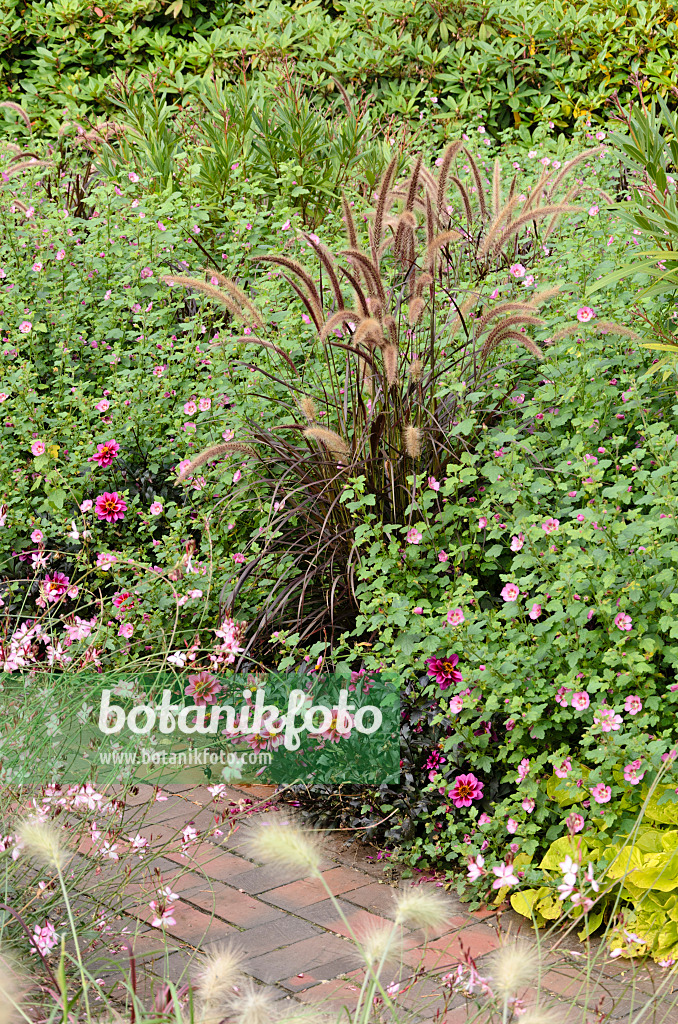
(444,671)
(38,448)
(633,704)
(105,453)
(580,700)
(517,542)
(584,314)
(510,592)
(414,537)
(126,629)
(505,876)
(550,526)
(156,508)
(607,720)
(455,617)
(110,507)
(623,621)
(466,789)
(535,611)
(631,773)
(601,793)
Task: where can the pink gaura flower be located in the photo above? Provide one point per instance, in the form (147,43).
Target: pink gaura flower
(44,939)
(580,700)
(110,507)
(414,537)
(550,526)
(623,621)
(455,617)
(38,448)
(601,793)
(633,704)
(584,314)
(203,688)
(105,561)
(162,915)
(125,630)
(467,788)
(535,611)
(510,592)
(444,671)
(156,508)
(517,542)
(105,453)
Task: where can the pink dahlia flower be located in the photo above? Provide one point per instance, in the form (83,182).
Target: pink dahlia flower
(444,671)
(467,788)
(110,506)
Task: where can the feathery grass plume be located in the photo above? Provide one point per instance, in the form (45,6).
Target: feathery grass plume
(412,441)
(416,370)
(381,204)
(207,289)
(390,356)
(537,214)
(13,148)
(424,908)
(414,311)
(20,111)
(369,332)
(12,989)
(496,185)
(381,944)
(252,339)
(567,167)
(253,1006)
(296,268)
(448,157)
(212,453)
(514,320)
(286,844)
(42,841)
(330,439)
(438,242)
(423,281)
(25,165)
(524,340)
(218,973)
(308,408)
(610,327)
(465,198)
(504,214)
(513,967)
(541,1015)
(538,298)
(325,257)
(370,271)
(480,191)
(565,332)
(342,316)
(349,222)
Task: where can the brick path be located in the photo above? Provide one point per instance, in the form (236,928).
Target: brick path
(294,940)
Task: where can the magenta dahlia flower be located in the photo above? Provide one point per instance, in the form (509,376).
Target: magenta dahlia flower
(444,671)
(110,506)
(105,453)
(467,788)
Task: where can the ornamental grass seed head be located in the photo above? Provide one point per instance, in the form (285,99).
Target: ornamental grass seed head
(214,983)
(513,967)
(286,844)
(12,988)
(419,907)
(253,1006)
(381,944)
(41,840)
